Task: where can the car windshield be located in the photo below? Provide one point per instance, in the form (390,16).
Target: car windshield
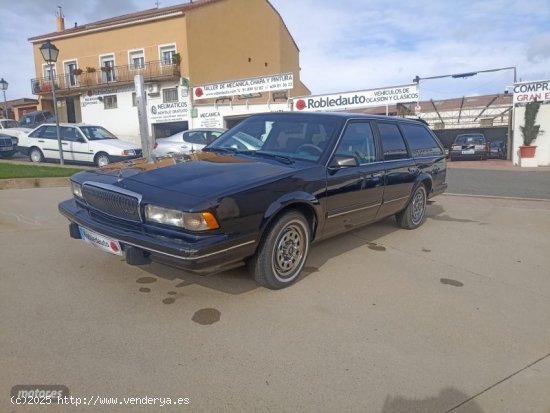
(96,133)
(465,139)
(9,124)
(292,137)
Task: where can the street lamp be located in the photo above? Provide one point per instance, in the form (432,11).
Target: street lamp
(4,87)
(49,53)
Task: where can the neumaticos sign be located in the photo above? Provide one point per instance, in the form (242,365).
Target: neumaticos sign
(528,91)
(352,100)
(245,86)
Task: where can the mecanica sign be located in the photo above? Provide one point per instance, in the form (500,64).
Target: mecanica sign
(358,99)
(271,83)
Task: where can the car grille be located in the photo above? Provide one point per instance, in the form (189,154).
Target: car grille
(6,142)
(139,153)
(112,203)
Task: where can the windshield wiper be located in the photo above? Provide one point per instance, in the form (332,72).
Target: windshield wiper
(281,158)
(222,150)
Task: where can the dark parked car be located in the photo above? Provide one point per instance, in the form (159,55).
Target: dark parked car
(34,119)
(8,146)
(469,146)
(498,149)
(310,177)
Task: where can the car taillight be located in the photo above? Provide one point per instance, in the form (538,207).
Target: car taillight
(481,147)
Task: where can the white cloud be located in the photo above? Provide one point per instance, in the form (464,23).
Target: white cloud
(349,44)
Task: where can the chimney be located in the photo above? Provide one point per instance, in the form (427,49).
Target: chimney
(60,20)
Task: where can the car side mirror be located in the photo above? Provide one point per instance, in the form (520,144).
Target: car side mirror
(343,161)
(81,139)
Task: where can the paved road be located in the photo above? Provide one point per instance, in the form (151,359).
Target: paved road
(522,184)
(453,316)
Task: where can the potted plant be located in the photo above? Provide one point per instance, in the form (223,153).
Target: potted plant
(176,60)
(77,71)
(530,130)
(90,69)
(106,69)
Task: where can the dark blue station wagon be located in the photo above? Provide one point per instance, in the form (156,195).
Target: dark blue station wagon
(262,193)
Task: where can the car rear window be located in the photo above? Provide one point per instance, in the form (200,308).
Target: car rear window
(463,139)
(392,142)
(421,142)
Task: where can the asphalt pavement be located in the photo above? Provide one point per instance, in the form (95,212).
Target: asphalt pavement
(451,317)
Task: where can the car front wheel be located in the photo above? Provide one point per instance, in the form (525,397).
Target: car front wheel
(102,159)
(36,155)
(282,252)
(415,213)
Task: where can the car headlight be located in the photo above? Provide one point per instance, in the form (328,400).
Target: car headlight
(76,189)
(199,221)
(128,152)
(14,141)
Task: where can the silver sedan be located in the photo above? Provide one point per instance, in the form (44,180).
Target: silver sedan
(186,142)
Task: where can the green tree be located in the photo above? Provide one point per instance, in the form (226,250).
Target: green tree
(530,130)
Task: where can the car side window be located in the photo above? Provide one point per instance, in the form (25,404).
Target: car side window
(392,142)
(69,134)
(421,141)
(358,141)
(195,137)
(37,133)
(49,132)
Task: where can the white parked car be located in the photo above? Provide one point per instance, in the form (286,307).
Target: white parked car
(80,143)
(186,142)
(11,128)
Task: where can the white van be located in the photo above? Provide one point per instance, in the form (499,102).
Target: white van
(80,143)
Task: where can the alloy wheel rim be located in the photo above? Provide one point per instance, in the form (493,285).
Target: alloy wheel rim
(102,161)
(35,156)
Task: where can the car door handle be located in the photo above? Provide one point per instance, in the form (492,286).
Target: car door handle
(377,175)
(64,143)
(40,140)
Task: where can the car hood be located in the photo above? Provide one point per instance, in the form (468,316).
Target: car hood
(114,144)
(201,175)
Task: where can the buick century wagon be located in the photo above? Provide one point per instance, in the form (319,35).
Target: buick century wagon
(261,194)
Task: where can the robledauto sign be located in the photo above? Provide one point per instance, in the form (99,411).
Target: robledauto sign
(362,98)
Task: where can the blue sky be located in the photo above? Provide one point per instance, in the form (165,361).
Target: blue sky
(347,45)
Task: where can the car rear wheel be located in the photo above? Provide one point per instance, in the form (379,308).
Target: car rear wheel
(102,159)
(414,214)
(36,155)
(282,252)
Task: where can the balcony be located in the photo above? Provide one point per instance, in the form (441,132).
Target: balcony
(84,79)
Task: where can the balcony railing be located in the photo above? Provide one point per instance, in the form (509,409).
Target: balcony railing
(106,76)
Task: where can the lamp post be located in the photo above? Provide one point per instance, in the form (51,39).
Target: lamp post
(49,53)
(4,87)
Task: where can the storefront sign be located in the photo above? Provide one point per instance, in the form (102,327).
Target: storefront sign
(359,99)
(245,86)
(210,119)
(169,112)
(529,91)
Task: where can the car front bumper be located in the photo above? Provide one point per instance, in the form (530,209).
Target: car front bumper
(199,254)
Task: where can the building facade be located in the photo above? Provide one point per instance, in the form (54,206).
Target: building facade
(174,48)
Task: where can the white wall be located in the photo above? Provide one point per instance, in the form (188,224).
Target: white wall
(122,121)
(542,154)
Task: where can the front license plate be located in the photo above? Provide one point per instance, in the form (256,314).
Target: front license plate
(468,152)
(100,241)
(6,148)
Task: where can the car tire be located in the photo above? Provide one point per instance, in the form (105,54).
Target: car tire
(36,155)
(414,214)
(282,252)
(102,159)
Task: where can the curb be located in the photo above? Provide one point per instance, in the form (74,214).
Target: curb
(25,183)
